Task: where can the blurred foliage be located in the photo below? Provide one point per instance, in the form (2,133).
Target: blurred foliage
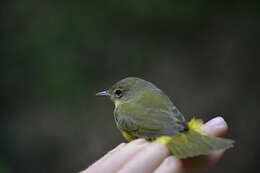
(56,55)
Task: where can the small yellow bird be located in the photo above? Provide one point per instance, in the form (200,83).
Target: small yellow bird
(144,111)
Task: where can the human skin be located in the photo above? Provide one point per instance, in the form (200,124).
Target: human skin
(146,157)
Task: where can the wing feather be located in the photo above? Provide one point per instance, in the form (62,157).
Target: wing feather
(148,122)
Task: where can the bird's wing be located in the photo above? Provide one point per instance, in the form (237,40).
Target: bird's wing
(148,122)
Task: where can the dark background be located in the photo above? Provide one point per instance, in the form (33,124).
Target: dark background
(56,55)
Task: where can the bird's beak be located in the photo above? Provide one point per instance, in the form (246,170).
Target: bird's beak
(103,93)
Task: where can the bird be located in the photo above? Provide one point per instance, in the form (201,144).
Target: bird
(142,110)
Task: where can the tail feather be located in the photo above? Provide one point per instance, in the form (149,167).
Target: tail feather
(194,142)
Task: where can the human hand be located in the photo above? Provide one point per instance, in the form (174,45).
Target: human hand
(145,157)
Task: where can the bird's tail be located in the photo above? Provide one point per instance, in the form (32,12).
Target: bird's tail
(194,142)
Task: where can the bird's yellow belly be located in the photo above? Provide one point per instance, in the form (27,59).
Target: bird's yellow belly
(129,137)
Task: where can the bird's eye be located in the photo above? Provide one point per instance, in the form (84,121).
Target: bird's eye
(118,93)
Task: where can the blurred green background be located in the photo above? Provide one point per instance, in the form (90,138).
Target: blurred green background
(56,55)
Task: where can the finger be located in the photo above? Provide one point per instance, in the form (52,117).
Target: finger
(169,165)
(117,159)
(117,148)
(113,151)
(194,165)
(154,154)
(215,127)
(200,163)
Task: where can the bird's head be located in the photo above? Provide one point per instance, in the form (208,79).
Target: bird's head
(126,89)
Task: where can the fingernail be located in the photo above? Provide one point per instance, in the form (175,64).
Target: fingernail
(216,121)
(170,160)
